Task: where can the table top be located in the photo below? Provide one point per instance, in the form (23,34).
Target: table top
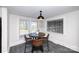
(33,34)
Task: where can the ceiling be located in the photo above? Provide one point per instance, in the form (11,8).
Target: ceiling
(48,11)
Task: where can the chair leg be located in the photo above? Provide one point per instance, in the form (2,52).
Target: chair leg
(36,48)
(25,48)
(42,49)
(48,45)
(33,48)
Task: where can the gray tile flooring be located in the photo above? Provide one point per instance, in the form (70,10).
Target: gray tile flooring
(53,48)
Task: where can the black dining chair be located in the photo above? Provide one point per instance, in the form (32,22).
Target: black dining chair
(27,40)
(46,40)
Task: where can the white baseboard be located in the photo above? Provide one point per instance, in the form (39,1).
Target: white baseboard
(17,43)
(73,47)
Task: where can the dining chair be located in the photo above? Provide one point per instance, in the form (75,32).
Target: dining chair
(46,40)
(41,34)
(37,45)
(27,40)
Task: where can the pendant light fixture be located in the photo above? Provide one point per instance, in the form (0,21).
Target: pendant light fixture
(40,17)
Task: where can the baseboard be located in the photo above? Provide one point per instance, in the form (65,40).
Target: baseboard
(17,43)
(75,48)
(72,47)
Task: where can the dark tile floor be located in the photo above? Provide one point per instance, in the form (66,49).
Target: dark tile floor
(53,48)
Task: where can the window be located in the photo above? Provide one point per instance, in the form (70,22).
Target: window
(55,26)
(24,27)
(27,26)
(33,27)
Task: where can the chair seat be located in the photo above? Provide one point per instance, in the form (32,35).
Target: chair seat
(37,42)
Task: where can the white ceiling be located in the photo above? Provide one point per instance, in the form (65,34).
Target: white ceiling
(48,11)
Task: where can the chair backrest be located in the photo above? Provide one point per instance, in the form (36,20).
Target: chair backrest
(41,34)
(37,42)
(47,36)
(26,38)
